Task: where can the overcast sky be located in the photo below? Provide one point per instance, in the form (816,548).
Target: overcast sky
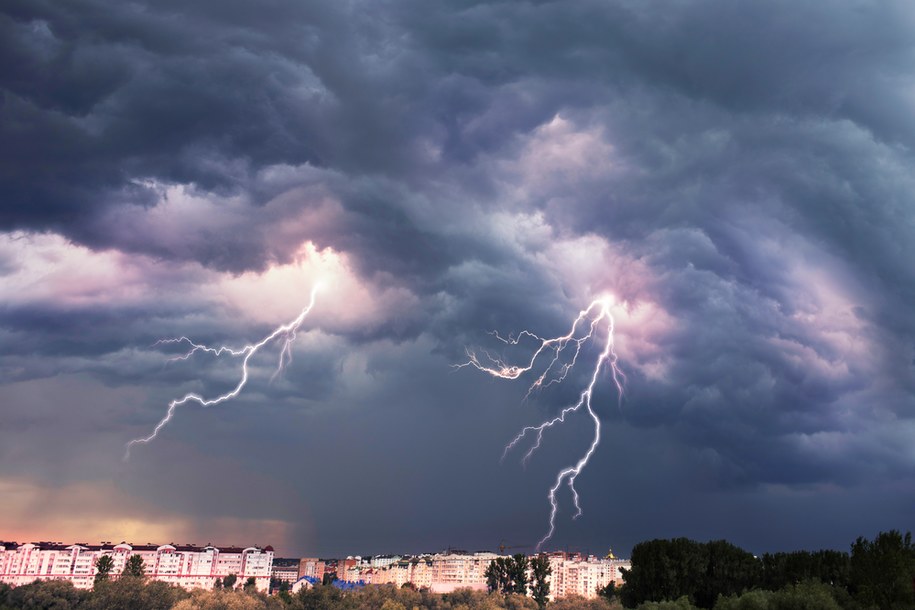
(737,175)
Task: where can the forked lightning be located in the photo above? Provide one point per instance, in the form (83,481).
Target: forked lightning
(285,333)
(562,353)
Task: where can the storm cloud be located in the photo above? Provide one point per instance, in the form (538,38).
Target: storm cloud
(738,176)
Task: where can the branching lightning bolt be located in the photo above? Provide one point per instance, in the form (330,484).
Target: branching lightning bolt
(286,333)
(556,371)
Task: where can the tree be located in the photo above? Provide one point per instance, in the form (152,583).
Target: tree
(663,570)
(321,597)
(136,594)
(882,571)
(701,572)
(729,570)
(229,581)
(610,593)
(103,567)
(540,584)
(507,575)
(782,569)
(227,600)
(134,567)
(50,594)
(250,584)
(517,574)
(577,602)
(681,603)
(496,575)
(809,595)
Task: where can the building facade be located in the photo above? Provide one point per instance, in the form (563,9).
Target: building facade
(183,565)
(572,573)
(284,571)
(311,567)
(575,574)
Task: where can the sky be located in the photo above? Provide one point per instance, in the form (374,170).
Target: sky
(736,176)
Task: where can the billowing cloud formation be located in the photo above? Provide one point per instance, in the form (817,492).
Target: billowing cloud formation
(737,176)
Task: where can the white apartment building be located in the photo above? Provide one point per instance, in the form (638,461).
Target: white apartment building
(573,574)
(442,572)
(183,565)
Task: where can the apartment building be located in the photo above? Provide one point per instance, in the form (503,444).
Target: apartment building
(183,565)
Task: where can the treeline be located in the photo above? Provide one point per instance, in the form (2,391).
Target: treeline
(682,574)
(129,593)
(677,574)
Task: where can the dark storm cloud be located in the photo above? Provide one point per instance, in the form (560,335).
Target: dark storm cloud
(748,164)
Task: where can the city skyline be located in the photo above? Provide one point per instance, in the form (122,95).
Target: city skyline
(728,186)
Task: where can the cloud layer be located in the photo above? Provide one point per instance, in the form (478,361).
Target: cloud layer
(738,177)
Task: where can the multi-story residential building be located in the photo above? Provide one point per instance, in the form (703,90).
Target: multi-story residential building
(312,567)
(345,568)
(184,565)
(442,572)
(458,570)
(574,574)
(383,561)
(284,571)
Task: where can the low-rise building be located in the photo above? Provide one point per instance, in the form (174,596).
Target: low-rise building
(284,571)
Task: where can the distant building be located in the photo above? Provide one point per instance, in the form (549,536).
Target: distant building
(383,561)
(183,565)
(346,565)
(441,573)
(284,571)
(311,567)
(574,574)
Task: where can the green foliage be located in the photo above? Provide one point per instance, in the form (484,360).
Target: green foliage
(577,602)
(883,571)
(508,575)
(810,595)
(201,599)
(497,575)
(878,575)
(782,569)
(103,567)
(701,572)
(610,593)
(319,598)
(540,583)
(134,593)
(751,600)
(47,595)
(681,603)
(134,567)
(514,601)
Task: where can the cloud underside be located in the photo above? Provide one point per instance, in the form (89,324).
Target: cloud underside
(739,178)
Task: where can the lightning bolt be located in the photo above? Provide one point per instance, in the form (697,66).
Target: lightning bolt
(561,354)
(286,333)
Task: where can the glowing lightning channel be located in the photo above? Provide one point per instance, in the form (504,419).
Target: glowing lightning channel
(287,333)
(555,372)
